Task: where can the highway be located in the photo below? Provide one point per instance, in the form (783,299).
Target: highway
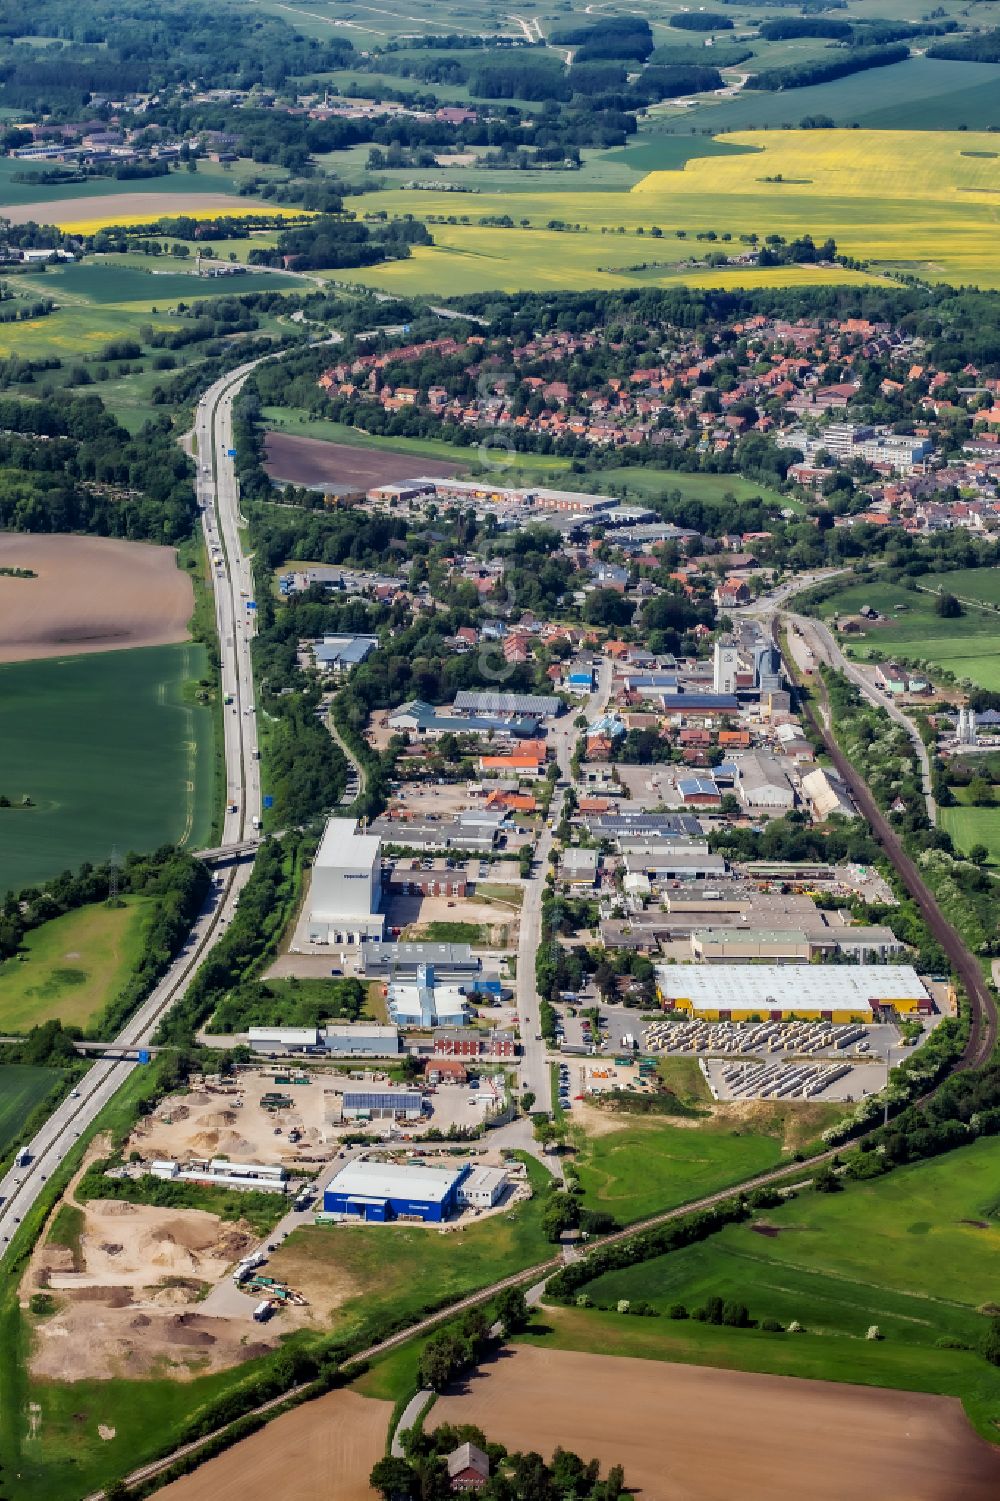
(232,581)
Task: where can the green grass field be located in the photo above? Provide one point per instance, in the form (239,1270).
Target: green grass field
(650,1164)
(922,93)
(965,647)
(209,178)
(113,752)
(646,484)
(22,1087)
(72,966)
(915,1253)
(970,826)
(157,284)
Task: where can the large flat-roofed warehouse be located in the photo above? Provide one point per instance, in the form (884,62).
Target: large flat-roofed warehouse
(400,961)
(346,886)
(382,1191)
(781,992)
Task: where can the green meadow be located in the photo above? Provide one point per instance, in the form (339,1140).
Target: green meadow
(885,1253)
(965,646)
(649,1164)
(71,967)
(22,1087)
(113,752)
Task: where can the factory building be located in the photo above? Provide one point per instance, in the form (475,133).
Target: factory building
(346,887)
(784,992)
(383,1191)
(265,1177)
(361,1040)
(483,1188)
(284,1039)
(422,1002)
(400,961)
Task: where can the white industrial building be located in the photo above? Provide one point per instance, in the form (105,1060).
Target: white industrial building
(283,1039)
(346,887)
(422,1002)
(826,992)
(265,1177)
(361,1039)
(484,1187)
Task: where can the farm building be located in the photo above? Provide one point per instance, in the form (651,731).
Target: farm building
(780,992)
(382,1104)
(383,1191)
(468,1468)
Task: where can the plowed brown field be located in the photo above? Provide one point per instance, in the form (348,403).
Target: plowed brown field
(323,1451)
(91,594)
(339,466)
(687,1433)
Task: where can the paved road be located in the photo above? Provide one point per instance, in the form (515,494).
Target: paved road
(536,1073)
(52,1143)
(824,647)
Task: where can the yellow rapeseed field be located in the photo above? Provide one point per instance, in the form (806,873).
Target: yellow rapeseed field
(70,219)
(916,200)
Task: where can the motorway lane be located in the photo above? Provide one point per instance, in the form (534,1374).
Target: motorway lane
(52,1143)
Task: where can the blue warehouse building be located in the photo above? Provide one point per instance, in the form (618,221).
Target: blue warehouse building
(382,1191)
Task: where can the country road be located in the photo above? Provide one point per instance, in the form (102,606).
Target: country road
(825,649)
(217,491)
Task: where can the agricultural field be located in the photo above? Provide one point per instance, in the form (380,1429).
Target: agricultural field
(916,200)
(632,1167)
(683,1432)
(107,281)
(524,467)
(965,647)
(22,1087)
(112,750)
(883,1253)
(89,594)
(341,466)
(922,93)
(44,199)
(71,967)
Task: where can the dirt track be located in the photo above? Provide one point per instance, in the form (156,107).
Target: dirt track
(339,466)
(687,1433)
(323,1451)
(91,594)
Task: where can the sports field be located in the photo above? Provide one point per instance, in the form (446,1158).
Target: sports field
(71,967)
(113,752)
(965,646)
(22,1087)
(921,200)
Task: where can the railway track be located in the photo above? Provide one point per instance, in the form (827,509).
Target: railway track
(982,1038)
